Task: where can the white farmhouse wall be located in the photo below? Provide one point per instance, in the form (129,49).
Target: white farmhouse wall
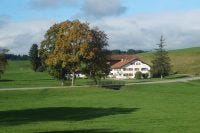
(128,71)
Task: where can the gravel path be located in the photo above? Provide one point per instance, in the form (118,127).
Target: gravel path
(152,82)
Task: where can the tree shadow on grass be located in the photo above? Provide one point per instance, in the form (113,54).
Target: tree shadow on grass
(6,80)
(36,79)
(112,87)
(89,131)
(15,117)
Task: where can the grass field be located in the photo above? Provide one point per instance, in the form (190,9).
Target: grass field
(19,75)
(153,108)
(156,108)
(185,61)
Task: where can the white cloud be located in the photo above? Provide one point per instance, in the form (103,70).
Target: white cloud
(19,36)
(181,29)
(102,8)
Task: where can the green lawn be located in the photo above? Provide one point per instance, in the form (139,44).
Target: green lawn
(155,108)
(19,75)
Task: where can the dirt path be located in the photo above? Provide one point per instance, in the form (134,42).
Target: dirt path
(168,81)
(152,82)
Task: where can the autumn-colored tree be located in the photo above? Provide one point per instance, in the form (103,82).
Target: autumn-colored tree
(71,39)
(3,61)
(48,44)
(70,45)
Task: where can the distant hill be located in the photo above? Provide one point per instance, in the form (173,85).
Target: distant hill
(186,61)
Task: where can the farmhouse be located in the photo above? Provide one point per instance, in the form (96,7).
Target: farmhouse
(125,66)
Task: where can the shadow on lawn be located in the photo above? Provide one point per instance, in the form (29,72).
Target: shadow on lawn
(89,131)
(36,79)
(15,117)
(6,80)
(114,85)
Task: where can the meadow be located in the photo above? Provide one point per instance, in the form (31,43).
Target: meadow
(147,108)
(19,75)
(155,108)
(184,61)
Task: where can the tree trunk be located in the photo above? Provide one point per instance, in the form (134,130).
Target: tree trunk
(72,79)
(62,83)
(161,76)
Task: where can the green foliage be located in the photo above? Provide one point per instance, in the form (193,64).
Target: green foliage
(97,67)
(16,57)
(145,75)
(3,61)
(128,51)
(69,45)
(161,63)
(34,57)
(138,75)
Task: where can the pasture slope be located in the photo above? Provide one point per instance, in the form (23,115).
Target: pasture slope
(184,61)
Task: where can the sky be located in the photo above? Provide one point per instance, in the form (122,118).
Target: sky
(129,24)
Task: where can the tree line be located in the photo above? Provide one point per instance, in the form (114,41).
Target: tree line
(16,57)
(129,51)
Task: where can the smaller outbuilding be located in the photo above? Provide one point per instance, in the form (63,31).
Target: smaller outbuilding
(125,66)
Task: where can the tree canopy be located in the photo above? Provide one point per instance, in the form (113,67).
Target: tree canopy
(34,57)
(72,47)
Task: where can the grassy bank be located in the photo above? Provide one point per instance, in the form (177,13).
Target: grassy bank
(186,61)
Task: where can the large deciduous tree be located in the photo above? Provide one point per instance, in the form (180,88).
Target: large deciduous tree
(3,61)
(71,47)
(97,66)
(48,44)
(161,63)
(34,57)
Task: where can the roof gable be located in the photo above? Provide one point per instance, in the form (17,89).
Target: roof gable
(123,60)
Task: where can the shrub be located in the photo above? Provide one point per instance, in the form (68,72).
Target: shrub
(145,75)
(40,69)
(138,75)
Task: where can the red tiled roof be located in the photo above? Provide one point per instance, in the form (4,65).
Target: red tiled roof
(123,60)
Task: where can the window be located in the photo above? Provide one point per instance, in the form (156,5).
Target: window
(137,69)
(137,63)
(144,69)
(130,69)
(125,74)
(130,74)
(124,69)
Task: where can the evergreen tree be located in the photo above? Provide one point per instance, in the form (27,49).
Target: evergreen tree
(3,61)
(161,63)
(34,57)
